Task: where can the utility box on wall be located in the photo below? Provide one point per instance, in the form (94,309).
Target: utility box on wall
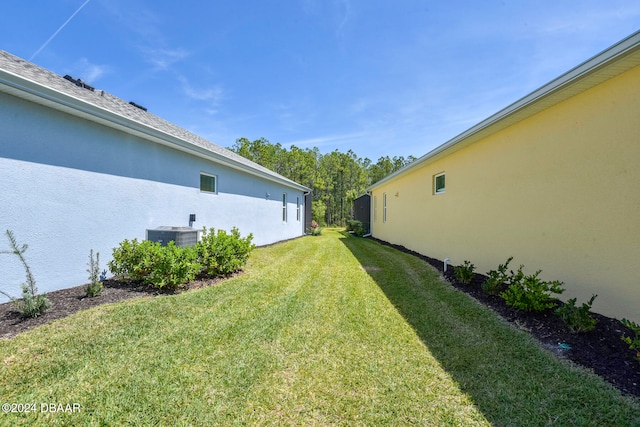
(182,236)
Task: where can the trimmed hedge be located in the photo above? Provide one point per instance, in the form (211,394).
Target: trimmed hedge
(217,254)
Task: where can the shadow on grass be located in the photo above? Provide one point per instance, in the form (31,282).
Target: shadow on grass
(511,380)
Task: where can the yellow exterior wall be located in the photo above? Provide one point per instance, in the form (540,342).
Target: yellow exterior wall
(559,191)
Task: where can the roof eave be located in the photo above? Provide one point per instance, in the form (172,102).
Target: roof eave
(35,92)
(615,53)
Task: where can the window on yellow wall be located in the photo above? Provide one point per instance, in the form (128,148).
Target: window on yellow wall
(438,183)
(384,207)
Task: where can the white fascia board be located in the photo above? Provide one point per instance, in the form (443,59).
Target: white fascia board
(616,52)
(35,92)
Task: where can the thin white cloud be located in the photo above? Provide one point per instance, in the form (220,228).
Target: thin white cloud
(589,21)
(294,115)
(335,14)
(58,30)
(324,141)
(360,106)
(312,7)
(344,12)
(136,19)
(90,72)
(213,95)
(163,58)
(145,29)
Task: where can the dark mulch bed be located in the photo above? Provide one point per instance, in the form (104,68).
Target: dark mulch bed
(601,350)
(68,301)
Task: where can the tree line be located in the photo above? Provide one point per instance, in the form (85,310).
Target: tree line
(336,178)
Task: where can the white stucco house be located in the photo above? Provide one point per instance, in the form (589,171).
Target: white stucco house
(81,169)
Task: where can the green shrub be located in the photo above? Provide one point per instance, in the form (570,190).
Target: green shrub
(32,304)
(217,254)
(171,265)
(131,260)
(530,293)
(356,227)
(577,319)
(315,229)
(221,253)
(464,272)
(497,279)
(150,262)
(94,287)
(634,343)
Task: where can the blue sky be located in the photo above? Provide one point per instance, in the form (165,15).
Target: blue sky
(392,78)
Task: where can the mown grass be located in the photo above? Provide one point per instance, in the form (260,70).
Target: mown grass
(319,331)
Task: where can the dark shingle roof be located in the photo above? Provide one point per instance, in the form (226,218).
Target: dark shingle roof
(109,103)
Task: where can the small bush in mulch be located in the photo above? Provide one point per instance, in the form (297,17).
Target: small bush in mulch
(32,303)
(529,292)
(65,302)
(464,273)
(578,319)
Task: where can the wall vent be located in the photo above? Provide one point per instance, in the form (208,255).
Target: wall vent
(182,236)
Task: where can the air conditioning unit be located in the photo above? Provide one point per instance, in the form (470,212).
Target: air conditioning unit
(182,236)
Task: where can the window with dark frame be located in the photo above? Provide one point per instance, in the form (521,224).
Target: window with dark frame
(208,183)
(284,207)
(438,184)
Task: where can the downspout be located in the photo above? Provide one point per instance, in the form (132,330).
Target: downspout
(446,261)
(304,223)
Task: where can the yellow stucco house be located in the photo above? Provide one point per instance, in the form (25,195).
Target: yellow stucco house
(552,180)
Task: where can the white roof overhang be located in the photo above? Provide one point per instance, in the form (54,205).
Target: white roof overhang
(617,59)
(35,92)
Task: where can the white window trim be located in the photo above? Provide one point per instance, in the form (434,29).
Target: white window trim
(375,208)
(215,183)
(435,188)
(298,216)
(384,207)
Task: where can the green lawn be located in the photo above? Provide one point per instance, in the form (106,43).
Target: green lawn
(322,330)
